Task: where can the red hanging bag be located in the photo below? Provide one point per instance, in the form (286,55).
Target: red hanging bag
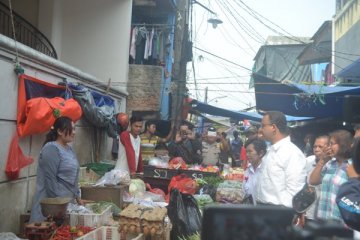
(16,159)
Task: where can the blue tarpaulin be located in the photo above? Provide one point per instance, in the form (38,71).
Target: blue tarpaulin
(300,99)
(254,116)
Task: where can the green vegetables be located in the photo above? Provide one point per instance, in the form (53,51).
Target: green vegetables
(195,236)
(213,181)
(203,200)
(99,207)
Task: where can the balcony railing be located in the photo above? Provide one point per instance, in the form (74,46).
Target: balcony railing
(25,32)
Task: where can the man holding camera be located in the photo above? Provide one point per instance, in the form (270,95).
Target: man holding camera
(184,145)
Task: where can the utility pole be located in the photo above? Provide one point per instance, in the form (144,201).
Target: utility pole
(180,59)
(206,95)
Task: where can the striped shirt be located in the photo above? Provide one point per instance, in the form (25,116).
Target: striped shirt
(333,176)
(148,146)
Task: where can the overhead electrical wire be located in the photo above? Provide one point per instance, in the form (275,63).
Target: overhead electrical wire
(224,59)
(255,36)
(290,36)
(240,34)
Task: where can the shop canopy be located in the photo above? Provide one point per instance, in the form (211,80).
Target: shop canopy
(301,100)
(351,72)
(253,116)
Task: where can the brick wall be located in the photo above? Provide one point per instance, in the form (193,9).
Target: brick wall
(144,87)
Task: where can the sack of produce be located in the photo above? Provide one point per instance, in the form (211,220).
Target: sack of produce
(230,191)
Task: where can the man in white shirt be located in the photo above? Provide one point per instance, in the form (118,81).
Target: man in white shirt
(129,156)
(283,169)
(321,142)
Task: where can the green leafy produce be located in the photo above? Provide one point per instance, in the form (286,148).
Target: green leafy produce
(203,200)
(99,207)
(99,168)
(195,236)
(213,181)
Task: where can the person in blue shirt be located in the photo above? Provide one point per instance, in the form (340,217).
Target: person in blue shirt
(348,196)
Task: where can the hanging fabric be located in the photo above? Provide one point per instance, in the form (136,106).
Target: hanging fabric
(42,102)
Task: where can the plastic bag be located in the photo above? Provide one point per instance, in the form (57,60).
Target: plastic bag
(145,201)
(16,159)
(184,215)
(114,177)
(185,184)
(9,236)
(177,163)
(155,190)
(208,189)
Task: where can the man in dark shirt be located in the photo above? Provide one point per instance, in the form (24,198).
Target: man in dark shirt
(236,145)
(184,145)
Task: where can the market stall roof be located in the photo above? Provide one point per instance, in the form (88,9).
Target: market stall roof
(351,72)
(299,99)
(319,50)
(254,116)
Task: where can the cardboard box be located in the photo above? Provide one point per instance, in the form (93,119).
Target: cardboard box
(112,194)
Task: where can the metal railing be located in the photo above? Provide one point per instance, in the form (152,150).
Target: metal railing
(26,33)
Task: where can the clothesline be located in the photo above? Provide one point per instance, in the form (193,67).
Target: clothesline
(153,25)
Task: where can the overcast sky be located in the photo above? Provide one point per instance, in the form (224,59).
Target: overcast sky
(239,38)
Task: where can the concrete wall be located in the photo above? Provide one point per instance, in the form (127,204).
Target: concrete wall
(16,196)
(95,37)
(346,35)
(145,87)
(348,43)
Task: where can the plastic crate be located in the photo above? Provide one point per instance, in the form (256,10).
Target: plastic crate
(109,233)
(102,233)
(90,220)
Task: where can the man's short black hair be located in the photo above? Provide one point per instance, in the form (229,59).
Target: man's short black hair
(135,118)
(279,119)
(148,123)
(235,134)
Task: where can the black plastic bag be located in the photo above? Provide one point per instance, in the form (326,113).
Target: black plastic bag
(208,189)
(184,215)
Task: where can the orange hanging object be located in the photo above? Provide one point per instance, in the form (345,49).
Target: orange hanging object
(40,114)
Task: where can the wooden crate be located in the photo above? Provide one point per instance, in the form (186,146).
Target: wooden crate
(112,194)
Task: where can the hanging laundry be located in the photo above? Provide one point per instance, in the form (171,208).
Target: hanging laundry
(147,43)
(140,45)
(151,42)
(132,43)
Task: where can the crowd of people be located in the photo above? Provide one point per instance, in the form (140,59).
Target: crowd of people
(275,168)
